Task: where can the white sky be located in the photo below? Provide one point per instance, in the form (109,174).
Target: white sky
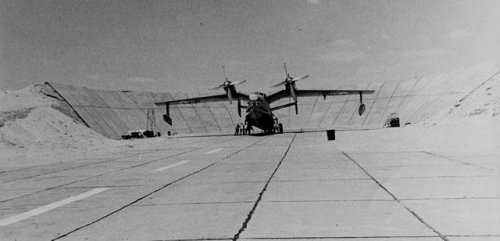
(180,45)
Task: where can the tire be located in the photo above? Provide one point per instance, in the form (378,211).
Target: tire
(280,128)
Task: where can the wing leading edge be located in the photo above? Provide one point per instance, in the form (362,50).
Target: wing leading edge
(204,99)
(306,93)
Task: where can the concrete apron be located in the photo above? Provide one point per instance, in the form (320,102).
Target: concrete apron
(290,186)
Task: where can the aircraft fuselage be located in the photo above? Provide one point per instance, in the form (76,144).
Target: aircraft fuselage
(259,112)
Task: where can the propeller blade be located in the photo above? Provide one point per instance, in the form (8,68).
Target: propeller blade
(224,72)
(294,96)
(239,108)
(218,87)
(238,82)
(280,84)
(296,108)
(301,78)
(230,97)
(286,71)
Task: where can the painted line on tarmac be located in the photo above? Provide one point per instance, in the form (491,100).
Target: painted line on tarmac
(214,150)
(170,166)
(153,192)
(46,208)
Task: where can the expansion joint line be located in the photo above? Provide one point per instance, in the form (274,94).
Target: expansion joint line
(131,203)
(454,160)
(310,115)
(250,214)
(99,175)
(421,220)
(152,192)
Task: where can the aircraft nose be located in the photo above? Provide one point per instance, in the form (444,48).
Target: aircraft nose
(251,117)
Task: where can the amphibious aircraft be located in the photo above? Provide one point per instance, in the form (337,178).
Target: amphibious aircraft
(259,112)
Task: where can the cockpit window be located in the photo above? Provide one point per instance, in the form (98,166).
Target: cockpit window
(256,99)
(254,103)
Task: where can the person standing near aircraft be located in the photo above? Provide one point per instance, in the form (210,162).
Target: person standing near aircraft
(237,129)
(242,129)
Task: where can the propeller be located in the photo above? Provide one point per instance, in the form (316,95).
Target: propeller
(289,82)
(228,83)
(228,86)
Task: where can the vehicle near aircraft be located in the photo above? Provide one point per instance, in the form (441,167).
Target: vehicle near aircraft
(259,112)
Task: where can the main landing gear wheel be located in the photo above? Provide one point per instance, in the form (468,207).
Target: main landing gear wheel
(280,128)
(275,130)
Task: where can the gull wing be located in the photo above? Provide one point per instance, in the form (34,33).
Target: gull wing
(305,93)
(204,99)
(324,93)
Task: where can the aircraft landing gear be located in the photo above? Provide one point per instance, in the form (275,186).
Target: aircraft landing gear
(278,127)
(248,129)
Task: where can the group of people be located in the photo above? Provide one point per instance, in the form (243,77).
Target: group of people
(242,129)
